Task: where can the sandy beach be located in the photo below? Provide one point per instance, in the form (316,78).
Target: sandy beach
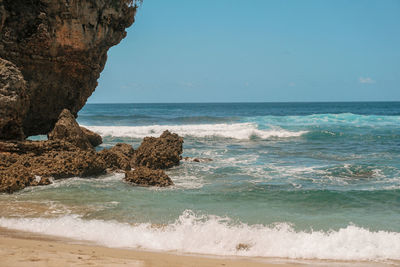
(18,248)
(27,249)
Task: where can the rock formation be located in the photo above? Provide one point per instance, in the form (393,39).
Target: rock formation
(51,55)
(13,101)
(147,177)
(68,153)
(159,153)
(16,179)
(60,47)
(94,138)
(68,129)
(118,157)
(21,162)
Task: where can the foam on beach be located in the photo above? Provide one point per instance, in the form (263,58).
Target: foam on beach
(192,233)
(235,130)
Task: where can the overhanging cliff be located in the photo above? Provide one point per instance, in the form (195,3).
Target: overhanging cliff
(60,47)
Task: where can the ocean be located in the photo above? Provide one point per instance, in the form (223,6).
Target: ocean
(286,180)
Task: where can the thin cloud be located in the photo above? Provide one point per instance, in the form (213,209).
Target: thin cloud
(367,80)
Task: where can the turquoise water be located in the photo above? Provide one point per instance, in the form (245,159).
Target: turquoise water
(295,174)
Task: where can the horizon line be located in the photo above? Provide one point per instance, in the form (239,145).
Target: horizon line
(250,102)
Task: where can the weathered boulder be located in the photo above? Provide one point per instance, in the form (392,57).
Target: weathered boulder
(13,101)
(94,138)
(60,47)
(68,129)
(147,177)
(159,153)
(14,179)
(21,163)
(31,163)
(18,177)
(118,157)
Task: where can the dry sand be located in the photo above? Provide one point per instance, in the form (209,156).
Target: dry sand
(19,248)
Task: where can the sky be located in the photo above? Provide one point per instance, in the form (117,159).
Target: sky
(256,51)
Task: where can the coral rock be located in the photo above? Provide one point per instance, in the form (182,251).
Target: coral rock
(118,157)
(68,129)
(14,179)
(159,153)
(21,162)
(94,138)
(147,177)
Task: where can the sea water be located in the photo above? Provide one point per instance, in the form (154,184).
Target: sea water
(290,180)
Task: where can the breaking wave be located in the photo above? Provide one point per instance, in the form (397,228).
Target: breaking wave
(344,119)
(215,235)
(236,131)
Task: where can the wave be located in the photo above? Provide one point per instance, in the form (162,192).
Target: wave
(328,119)
(235,130)
(140,118)
(214,235)
(202,119)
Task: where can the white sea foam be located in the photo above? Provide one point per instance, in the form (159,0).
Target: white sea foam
(219,236)
(329,119)
(235,130)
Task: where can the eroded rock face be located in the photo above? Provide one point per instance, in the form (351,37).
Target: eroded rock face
(21,163)
(13,101)
(60,46)
(118,157)
(143,176)
(94,138)
(159,153)
(17,178)
(68,129)
(32,163)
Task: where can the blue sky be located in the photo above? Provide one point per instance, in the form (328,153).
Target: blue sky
(256,51)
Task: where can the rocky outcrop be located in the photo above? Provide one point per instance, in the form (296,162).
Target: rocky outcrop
(154,153)
(51,55)
(159,153)
(21,162)
(118,157)
(68,153)
(68,129)
(13,101)
(143,176)
(15,179)
(60,47)
(94,138)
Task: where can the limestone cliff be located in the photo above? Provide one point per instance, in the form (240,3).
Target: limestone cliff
(60,47)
